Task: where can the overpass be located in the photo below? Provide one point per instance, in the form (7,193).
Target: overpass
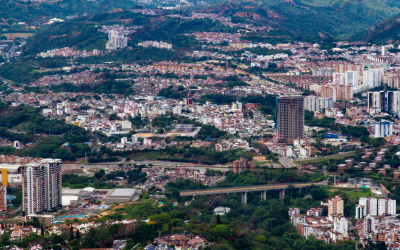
(262,188)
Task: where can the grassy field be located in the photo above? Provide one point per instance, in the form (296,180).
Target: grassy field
(324,158)
(353,193)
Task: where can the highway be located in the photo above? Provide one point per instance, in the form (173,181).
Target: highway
(246,189)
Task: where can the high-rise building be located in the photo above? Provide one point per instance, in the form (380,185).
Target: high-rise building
(393,101)
(360,211)
(289,118)
(3,198)
(369,204)
(116,40)
(314,103)
(336,206)
(369,224)
(372,78)
(341,225)
(338,78)
(41,186)
(383,128)
(351,78)
(376,100)
(386,207)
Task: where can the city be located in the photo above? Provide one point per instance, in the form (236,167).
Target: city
(199,125)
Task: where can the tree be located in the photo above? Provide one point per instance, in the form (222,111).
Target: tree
(71,233)
(218,219)
(78,236)
(42,230)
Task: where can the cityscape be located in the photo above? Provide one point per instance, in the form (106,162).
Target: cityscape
(188,125)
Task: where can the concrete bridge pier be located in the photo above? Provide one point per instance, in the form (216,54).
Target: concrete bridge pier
(244,197)
(193,197)
(281,193)
(263,195)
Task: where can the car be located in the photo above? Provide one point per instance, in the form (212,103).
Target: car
(197,192)
(81,167)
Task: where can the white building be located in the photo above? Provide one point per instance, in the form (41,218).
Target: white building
(383,128)
(237,105)
(177,110)
(351,78)
(126,125)
(341,225)
(338,78)
(314,103)
(134,139)
(386,206)
(360,211)
(116,40)
(370,205)
(372,78)
(221,210)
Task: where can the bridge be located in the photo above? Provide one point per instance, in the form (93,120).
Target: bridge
(262,188)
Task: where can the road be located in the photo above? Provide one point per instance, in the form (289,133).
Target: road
(165,164)
(246,188)
(287,163)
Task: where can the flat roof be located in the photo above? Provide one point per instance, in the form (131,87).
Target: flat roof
(123,192)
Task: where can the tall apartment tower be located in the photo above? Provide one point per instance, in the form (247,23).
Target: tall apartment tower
(376,100)
(289,118)
(336,206)
(41,187)
(370,205)
(3,198)
(393,101)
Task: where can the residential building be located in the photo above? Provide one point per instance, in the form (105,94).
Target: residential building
(41,186)
(314,103)
(370,206)
(351,78)
(341,225)
(336,206)
(360,211)
(383,128)
(386,207)
(376,100)
(393,101)
(3,198)
(290,118)
(242,164)
(368,224)
(372,78)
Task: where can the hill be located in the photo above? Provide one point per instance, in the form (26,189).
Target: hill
(309,18)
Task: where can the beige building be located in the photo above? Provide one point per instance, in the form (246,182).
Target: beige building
(336,206)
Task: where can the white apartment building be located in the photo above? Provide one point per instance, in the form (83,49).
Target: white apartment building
(341,225)
(116,40)
(383,128)
(370,206)
(372,78)
(351,78)
(314,103)
(338,78)
(360,211)
(386,206)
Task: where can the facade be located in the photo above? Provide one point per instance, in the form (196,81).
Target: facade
(314,103)
(41,186)
(376,100)
(47,219)
(3,198)
(289,118)
(386,207)
(393,101)
(116,40)
(341,225)
(368,224)
(372,78)
(242,164)
(383,128)
(370,205)
(336,206)
(351,78)
(360,211)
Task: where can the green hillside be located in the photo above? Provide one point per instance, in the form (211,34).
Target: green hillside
(307,18)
